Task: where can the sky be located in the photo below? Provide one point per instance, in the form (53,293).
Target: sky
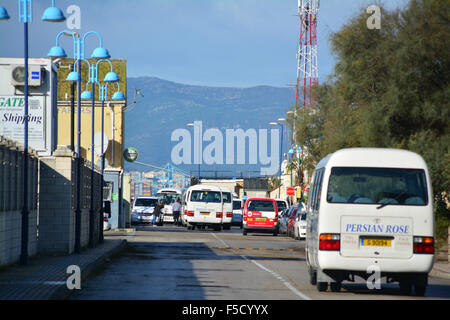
(226,43)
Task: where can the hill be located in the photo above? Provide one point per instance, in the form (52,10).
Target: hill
(167,106)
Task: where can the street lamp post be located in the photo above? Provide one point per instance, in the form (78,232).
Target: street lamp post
(51,14)
(281,150)
(75,76)
(93,79)
(103,92)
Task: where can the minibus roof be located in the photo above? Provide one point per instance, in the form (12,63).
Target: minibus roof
(169,190)
(205,187)
(373,158)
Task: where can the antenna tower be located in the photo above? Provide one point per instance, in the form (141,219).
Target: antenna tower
(308,69)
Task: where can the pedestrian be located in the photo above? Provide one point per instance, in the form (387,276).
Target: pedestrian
(157,213)
(176,209)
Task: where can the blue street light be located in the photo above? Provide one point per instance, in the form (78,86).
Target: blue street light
(25,16)
(53,14)
(3,13)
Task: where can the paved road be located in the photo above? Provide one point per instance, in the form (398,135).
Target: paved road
(171,263)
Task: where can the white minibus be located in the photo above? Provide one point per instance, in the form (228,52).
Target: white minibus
(203,207)
(168,196)
(369,213)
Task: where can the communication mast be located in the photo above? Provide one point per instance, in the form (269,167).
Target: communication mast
(308,69)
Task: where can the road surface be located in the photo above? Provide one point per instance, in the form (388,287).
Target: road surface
(171,263)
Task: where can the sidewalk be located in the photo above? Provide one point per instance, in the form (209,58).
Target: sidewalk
(441,269)
(44,278)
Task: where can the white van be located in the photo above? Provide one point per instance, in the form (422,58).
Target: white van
(168,196)
(227,208)
(203,207)
(370,210)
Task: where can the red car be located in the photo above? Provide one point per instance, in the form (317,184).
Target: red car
(260,215)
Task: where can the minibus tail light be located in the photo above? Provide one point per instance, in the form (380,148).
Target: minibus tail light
(229,214)
(190,213)
(423,245)
(330,242)
(219,214)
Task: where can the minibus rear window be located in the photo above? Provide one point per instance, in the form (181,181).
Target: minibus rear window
(237,205)
(206,196)
(226,197)
(377,186)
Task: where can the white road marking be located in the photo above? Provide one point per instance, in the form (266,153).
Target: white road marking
(273,273)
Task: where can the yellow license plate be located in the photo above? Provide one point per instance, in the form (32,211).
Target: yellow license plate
(205,213)
(376,242)
(260,219)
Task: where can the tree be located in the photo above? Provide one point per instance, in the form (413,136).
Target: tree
(390,89)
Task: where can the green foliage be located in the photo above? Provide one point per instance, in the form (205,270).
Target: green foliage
(273,182)
(391,88)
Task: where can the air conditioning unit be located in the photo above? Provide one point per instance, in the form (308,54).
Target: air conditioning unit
(18,76)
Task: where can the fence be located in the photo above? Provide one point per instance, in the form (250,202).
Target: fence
(52,203)
(11,201)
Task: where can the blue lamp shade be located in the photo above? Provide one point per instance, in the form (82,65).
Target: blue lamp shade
(118,96)
(73,76)
(57,52)
(100,53)
(111,77)
(86,95)
(3,13)
(53,14)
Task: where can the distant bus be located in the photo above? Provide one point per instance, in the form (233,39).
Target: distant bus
(168,196)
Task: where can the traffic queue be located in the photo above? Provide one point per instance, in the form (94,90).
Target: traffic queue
(208,206)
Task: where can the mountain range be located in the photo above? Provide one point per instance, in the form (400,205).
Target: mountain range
(164,106)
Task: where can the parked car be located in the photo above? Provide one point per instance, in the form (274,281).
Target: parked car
(143,210)
(282,220)
(300,223)
(237,213)
(281,205)
(290,222)
(106,223)
(260,215)
(106,215)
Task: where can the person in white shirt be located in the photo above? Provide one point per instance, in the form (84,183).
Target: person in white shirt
(176,209)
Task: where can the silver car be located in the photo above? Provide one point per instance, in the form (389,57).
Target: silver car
(143,208)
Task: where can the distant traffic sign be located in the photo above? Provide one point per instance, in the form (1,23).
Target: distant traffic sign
(290,191)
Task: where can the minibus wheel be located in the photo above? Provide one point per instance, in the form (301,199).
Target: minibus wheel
(312,277)
(244,232)
(335,286)
(322,286)
(405,287)
(420,289)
